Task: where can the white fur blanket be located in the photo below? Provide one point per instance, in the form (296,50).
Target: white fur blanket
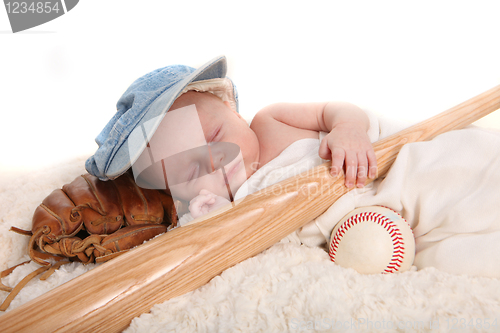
(286,288)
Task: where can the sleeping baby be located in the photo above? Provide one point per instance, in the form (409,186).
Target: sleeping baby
(179,130)
(202,151)
(211,175)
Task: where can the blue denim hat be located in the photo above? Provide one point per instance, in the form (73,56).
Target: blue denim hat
(148,98)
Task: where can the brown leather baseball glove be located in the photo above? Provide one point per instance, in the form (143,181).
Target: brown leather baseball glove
(90,221)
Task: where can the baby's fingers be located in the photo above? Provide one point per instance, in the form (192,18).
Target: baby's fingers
(205,192)
(362,169)
(200,204)
(338,156)
(372,162)
(351,168)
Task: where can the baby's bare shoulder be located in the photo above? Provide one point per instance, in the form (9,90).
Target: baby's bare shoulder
(274,135)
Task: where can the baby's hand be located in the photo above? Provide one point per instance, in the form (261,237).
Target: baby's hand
(205,202)
(348,145)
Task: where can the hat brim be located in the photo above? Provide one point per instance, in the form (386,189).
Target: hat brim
(130,150)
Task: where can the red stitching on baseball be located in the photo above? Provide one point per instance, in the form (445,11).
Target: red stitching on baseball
(396,236)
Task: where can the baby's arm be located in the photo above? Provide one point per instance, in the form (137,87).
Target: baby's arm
(347,145)
(205,202)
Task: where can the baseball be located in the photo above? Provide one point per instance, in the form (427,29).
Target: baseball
(373,240)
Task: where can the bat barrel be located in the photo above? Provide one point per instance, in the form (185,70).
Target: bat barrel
(457,117)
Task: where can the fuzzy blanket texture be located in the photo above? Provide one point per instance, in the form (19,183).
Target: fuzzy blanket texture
(287,288)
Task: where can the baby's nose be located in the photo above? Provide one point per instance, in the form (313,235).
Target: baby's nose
(222,153)
(217,161)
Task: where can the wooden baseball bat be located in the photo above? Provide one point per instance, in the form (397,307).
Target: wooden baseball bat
(108,297)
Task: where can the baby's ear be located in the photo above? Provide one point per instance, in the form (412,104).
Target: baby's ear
(229,106)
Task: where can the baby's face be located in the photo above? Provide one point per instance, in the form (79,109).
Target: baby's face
(197,141)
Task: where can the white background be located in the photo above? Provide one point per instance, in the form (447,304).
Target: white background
(59,82)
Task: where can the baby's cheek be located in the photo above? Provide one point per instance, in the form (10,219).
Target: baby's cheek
(182,192)
(240,178)
(219,188)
